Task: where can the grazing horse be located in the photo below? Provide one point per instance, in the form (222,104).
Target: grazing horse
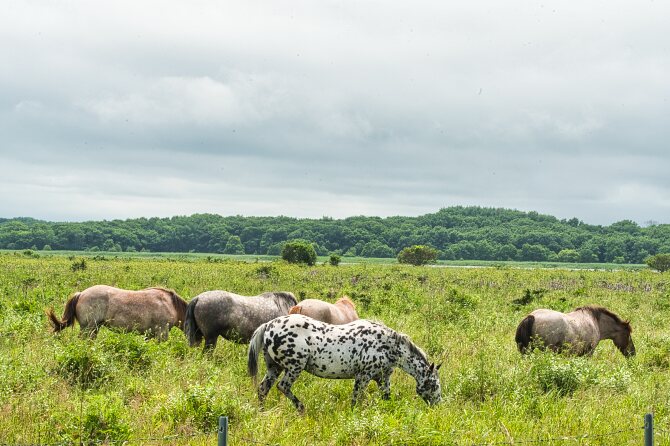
(232,316)
(578,332)
(152,311)
(361,350)
(341,312)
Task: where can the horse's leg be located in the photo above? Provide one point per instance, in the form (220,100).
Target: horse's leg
(286,383)
(210,344)
(384,382)
(89,331)
(273,370)
(360,384)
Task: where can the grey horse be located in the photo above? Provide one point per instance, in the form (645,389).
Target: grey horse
(220,313)
(577,332)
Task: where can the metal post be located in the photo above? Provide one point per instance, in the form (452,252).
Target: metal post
(223,431)
(648,430)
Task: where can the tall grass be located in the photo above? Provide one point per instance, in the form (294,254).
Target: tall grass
(62,388)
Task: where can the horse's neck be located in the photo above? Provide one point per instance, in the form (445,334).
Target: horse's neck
(411,361)
(608,327)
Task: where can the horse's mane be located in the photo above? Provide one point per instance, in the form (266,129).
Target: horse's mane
(346,300)
(412,347)
(597,311)
(179,303)
(283,299)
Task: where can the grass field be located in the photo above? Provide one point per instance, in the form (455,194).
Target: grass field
(212,257)
(119,387)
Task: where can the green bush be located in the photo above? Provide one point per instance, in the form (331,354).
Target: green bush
(659,262)
(418,255)
(299,251)
(104,421)
(334,259)
(81,364)
(126,348)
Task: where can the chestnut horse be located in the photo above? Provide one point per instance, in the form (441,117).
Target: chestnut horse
(152,311)
(577,332)
(341,312)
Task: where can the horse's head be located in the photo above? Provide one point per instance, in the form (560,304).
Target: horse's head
(623,339)
(429,387)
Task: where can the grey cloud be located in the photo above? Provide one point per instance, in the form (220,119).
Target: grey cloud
(334,109)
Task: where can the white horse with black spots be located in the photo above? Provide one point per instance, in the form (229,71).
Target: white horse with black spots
(361,350)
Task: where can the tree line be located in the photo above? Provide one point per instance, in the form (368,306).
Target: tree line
(468,233)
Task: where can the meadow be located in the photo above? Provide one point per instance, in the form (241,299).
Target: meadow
(62,389)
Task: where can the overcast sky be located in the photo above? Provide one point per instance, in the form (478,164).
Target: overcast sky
(334,108)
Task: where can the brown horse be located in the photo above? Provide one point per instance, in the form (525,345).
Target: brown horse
(577,332)
(152,311)
(341,312)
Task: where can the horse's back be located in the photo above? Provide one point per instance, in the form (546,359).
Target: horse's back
(141,310)
(316,309)
(232,315)
(325,350)
(326,312)
(557,329)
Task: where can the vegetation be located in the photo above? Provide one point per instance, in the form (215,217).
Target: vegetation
(299,251)
(659,262)
(418,255)
(61,388)
(467,233)
(334,259)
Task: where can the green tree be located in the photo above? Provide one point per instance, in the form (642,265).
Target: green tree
(418,255)
(334,259)
(568,256)
(234,245)
(299,251)
(659,262)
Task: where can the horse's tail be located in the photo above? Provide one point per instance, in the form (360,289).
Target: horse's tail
(191,329)
(69,315)
(296,309)
(524,333)
(255,346)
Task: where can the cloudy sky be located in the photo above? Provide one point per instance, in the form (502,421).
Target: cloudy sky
(334,108)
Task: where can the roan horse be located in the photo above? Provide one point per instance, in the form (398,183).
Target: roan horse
(577,332)
(361,350)
(152,311)
(232,316)
(341,312)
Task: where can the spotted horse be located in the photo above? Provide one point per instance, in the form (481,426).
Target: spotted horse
(362,350)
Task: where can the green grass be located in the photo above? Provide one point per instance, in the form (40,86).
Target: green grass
(213,257)
(61,388)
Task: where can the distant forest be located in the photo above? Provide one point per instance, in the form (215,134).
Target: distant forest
(468,233)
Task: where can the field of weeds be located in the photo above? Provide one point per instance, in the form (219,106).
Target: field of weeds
(62,389)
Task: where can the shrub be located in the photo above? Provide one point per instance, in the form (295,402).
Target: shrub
(104,421)
(299,251)
(334,259)
(81,365)
(127,348)
(659,262)
(418,255)
(78,265)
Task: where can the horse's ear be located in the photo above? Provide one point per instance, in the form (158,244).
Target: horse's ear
(431,366)
(438,366)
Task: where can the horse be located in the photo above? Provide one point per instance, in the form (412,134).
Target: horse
(232,316)
(577,332)
(341,312)
(362,350)
(152,311)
